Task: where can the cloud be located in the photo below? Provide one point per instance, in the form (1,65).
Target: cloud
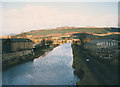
(36,17)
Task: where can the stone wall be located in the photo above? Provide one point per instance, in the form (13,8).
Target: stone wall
(9,59)
(15,46)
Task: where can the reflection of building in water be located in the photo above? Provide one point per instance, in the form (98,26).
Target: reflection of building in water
(105,48)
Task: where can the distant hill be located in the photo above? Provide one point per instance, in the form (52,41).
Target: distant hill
(113,29)
(68,30)
(113,36)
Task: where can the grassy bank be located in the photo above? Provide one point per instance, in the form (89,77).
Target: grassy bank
(96,71)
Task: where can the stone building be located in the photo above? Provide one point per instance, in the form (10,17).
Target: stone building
(105,48)
(16,44)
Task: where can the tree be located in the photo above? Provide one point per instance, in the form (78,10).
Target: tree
(43,42)
(82,37)
(49,41)
(23,35)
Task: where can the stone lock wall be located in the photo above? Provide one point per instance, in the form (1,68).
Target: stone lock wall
(16,57)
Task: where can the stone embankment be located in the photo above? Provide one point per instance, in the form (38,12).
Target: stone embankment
(9,59)
(18,57)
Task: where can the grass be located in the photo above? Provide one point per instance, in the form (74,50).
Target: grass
(86,77)
(63,31)
(95,72)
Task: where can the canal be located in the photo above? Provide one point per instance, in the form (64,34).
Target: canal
(54,68)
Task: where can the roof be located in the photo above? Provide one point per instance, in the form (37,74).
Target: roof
(17,39)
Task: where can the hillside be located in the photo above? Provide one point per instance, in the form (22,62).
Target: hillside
(69,30)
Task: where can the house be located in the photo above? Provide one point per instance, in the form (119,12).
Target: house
(16,44)
(105,48)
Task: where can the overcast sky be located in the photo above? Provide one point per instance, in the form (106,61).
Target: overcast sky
(19,17)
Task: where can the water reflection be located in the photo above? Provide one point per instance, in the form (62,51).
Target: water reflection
(53,69)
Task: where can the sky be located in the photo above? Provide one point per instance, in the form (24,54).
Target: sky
(20,17)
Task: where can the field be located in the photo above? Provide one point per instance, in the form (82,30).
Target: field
(63,31)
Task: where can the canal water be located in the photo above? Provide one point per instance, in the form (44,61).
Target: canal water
(54,68)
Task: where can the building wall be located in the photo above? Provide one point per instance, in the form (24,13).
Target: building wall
(105,48)
(15,46)
(17,57)
(5,46)
(8,56)
(11,45)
